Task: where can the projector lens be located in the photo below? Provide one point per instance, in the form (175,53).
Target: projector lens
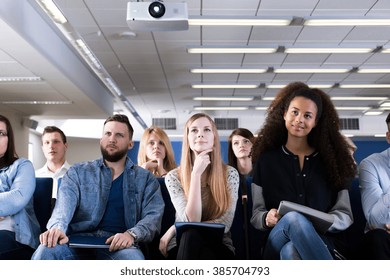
(156,9)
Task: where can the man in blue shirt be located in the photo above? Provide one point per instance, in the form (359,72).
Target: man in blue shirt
(374,180)
(110,198)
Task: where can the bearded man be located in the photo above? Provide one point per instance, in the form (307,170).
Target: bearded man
(109,198)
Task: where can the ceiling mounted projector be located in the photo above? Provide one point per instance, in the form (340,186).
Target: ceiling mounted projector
(157,16)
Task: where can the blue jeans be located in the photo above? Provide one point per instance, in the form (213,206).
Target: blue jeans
(294,237)
(64,252)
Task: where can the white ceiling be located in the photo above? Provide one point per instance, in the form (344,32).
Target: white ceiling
(151,69)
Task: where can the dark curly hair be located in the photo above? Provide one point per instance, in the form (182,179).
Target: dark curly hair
(325,137)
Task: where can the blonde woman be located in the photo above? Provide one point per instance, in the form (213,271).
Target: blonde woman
(202,189)
(155,152)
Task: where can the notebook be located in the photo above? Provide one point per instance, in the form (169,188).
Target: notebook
(321,220)
(82,241)
(214,231)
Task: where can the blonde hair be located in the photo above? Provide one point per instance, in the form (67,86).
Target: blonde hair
(169,160)
(215,173)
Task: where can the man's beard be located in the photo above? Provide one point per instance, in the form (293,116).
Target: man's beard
(114,157)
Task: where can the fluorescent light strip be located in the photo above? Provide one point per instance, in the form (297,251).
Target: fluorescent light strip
(380,135)
(352,108)
(387,50)
(36,102)
(264,70)
(365,86)
(225,86)
(347,22)
(239,50)
(261,108)
(296,50)
(52,9)
(310,85)
(228,71)
(358,98)
(373,113)
(385,104)
(88,53)
(344,98)
(374,71)
(216,108)
(20,79)
(313,70)
(244,21)
(225,98)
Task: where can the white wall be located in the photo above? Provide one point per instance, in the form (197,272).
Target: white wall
(79,149)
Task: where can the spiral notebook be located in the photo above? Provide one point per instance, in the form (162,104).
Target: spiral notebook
(213,231)
(321,220)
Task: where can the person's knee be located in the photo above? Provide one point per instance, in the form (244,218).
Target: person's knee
(289,252)
(295,218)
(52,253)
(129,254)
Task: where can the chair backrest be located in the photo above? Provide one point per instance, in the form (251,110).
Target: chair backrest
(354,234)
(42,201)
(169,210)
(152,249)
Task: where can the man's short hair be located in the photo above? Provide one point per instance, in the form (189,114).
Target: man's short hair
(52,129)
(122,119)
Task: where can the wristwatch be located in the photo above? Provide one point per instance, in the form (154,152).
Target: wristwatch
(132,234)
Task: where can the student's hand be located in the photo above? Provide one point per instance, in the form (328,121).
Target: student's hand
(2,218)
(272,217)
(202,160)
(387,226)
(52,237)
(150,165)
(120,241)
(163,245)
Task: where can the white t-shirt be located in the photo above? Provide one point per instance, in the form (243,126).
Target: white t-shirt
(45,172)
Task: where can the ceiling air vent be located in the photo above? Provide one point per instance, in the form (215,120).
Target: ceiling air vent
(226,124)
(165,123)
(349,124)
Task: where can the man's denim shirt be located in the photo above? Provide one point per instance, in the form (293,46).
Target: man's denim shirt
(17,186)
(84,191)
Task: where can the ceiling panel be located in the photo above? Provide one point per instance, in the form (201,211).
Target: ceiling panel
(152,69)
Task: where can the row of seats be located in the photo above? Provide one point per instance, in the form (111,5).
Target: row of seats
(247,240)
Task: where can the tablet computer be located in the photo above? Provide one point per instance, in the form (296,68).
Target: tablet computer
(320,220)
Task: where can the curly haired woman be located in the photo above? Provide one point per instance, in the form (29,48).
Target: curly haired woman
(301,156)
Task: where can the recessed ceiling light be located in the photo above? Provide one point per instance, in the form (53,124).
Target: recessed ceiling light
(226,50)
(239,21)
(226,86)
(20,79)
(36,102)
(327,50)
(223,98)
(346,21)
(228,71)
(217,108)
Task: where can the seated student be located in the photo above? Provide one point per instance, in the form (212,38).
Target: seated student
(374,180)
(301,157)
(202,189)
(108,197)
(19,228)
(155,152)
(240,144)
(54,147)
